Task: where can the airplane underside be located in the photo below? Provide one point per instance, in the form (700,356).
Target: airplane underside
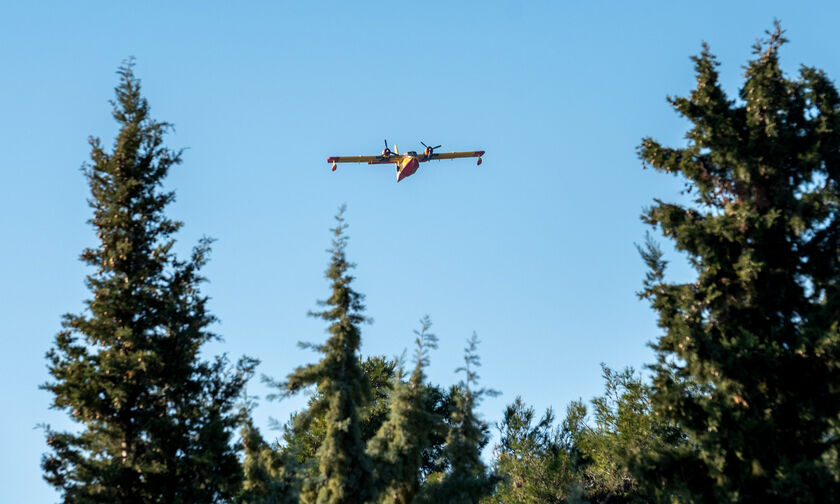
(407,167)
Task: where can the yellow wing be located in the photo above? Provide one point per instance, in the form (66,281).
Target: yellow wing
(451,155)
(362,159)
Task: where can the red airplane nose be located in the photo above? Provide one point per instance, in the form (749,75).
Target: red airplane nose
(408,169)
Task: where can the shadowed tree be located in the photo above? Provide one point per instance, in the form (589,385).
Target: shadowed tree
(748,366)
(155,421)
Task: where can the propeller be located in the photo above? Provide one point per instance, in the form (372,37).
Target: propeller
(430,150)
(386,152)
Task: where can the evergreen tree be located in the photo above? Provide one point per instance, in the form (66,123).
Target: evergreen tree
(155,420)
(305,431)
(586,458)
(748,363)
(535,461)
(440,402)
(398,448)
(467,479)
(344,469)
(271,474)
(275,471)
(623,428)
(295,459)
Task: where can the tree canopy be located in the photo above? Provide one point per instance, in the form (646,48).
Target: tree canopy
(155,420)
(747,366)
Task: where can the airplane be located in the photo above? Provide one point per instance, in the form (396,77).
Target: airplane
(406,163)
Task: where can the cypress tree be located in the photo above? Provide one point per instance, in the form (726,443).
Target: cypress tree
(155,421)
(304,433)
(467,479)
(271,474)
(747,366)
(399,446)
(274,471)
(344,469)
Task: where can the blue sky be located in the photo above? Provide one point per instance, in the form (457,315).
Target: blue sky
(533,250)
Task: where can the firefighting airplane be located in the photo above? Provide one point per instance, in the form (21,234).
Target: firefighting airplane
(406,163)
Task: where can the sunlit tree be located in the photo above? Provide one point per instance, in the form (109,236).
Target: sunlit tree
(397,449)
(155,421)
(344,472)
(467,478)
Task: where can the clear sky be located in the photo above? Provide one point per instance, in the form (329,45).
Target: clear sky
(533,250)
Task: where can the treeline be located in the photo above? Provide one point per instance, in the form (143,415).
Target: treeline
(742,403)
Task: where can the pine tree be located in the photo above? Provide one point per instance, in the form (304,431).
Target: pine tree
(749,363)
(622,428)
(155,420)
(589,456)
(398,447)
(304,432)
(295,458)
(271,474)
(467,479)
(344,470)
(535,461)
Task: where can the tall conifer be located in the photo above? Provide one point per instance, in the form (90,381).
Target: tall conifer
(344,469)
(155,421)
(397,449)
(467,479)
(271,473)
(749,363)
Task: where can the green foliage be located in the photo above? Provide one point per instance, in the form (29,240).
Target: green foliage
(344,473)
(296,461)
(747,366)
(304,432)
(155,421)
(467,479)
(623,429)
(398,447)
(535,460)
(270,473)
(355,403)
(584,459)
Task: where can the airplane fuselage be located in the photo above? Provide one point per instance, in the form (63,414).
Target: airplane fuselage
(406,167)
